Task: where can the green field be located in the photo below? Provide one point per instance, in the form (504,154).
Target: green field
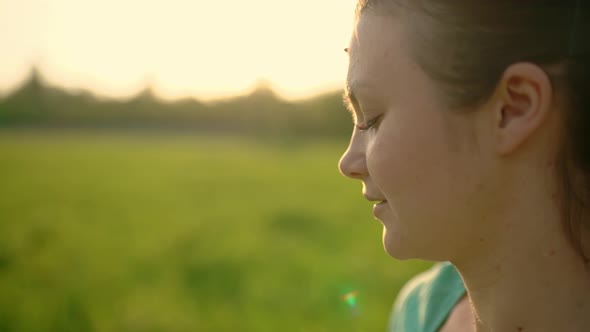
(184,233)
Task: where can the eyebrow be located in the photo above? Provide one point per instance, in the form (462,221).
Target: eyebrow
(350,100)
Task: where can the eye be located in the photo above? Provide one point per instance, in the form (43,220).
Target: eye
(369,124)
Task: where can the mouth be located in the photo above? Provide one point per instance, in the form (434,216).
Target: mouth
(379,208)
(375,199)
(372,198)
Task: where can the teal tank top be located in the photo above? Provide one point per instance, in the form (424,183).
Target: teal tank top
(425,302)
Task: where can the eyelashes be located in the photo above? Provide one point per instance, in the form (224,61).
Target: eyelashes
(369,124)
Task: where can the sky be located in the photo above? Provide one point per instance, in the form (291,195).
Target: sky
(204,49)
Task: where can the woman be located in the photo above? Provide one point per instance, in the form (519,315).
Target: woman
(472,135)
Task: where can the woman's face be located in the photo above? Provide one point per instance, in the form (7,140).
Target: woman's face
(420,161)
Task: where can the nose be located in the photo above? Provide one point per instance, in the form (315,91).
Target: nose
(353,162)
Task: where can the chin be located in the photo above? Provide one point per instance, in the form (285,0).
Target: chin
(393,246)
(397,248)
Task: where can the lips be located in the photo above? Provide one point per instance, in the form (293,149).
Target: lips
(380,203)
(376,199)
(379,208)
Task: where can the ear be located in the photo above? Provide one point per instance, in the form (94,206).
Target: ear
(524,100)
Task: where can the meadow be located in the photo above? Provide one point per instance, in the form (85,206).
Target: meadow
(137,232)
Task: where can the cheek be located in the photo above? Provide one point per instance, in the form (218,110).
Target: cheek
(399,160)
(387,162)
(416,170)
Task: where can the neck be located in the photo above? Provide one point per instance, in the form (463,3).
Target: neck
(533,279)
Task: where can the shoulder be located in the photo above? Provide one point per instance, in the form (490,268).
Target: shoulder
(426,300)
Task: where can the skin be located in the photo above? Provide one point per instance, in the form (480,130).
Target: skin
(475,188)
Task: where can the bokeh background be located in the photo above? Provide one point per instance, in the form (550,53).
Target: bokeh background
(172,166)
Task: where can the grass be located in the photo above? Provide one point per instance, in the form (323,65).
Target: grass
(168,233)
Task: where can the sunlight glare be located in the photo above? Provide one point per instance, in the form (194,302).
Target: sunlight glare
(200,48)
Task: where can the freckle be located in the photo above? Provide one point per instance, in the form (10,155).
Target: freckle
(552,253)
(498,268)
(481,239)
(520,328)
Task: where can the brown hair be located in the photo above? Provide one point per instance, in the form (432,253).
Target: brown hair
(475,41)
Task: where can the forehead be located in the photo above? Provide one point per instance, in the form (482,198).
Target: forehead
(377,51)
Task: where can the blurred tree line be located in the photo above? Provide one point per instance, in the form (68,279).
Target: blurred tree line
(260,113)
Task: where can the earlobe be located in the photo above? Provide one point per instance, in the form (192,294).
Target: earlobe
(524,94)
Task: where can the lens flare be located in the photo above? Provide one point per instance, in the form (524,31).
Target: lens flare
(350,299)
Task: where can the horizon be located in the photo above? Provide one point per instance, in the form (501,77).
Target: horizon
(35,74)
(297,50)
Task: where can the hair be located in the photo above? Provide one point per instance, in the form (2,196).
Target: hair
(475,41)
